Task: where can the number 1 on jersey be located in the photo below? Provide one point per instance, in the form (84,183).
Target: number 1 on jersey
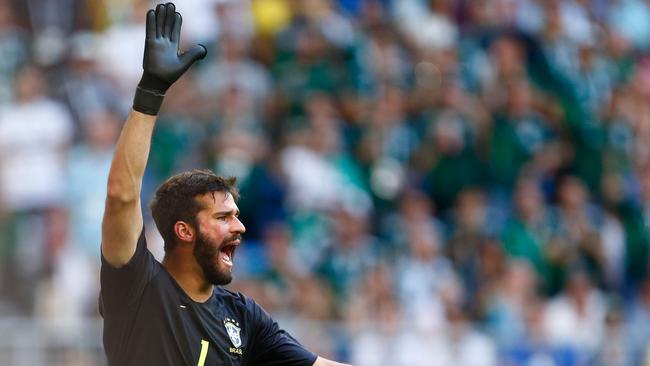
(204,352)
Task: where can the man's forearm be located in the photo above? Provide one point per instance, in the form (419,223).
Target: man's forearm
(130,158)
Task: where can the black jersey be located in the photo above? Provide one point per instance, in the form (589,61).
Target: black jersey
(149,320)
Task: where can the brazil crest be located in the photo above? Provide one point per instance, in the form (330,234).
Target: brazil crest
(233,330)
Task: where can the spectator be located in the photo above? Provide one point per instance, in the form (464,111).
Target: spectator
(527,234)
(577,317)
(34,135)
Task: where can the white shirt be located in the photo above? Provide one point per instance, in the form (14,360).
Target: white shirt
(33,136)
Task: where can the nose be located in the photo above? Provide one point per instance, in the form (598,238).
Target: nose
(238,226)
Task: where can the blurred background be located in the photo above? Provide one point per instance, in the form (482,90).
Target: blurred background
(424,182)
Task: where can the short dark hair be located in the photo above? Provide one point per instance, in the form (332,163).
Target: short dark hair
(176,199)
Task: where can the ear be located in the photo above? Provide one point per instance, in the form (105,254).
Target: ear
(184,231)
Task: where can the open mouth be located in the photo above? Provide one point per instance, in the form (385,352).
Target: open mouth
(227,253)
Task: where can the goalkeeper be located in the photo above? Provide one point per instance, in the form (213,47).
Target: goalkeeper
(176,312)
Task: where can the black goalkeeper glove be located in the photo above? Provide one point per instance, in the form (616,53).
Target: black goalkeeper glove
(162,63)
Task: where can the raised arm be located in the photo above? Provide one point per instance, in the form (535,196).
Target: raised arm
(162,65)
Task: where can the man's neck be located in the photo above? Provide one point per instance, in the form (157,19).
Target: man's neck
(189,276)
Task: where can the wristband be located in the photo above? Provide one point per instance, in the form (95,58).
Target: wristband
(147,101)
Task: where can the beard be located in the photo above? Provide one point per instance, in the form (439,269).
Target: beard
(206,253)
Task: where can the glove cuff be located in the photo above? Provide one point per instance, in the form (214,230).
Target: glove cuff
(147,101)
(151,82)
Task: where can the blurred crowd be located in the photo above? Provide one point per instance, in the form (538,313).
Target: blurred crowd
(424,182)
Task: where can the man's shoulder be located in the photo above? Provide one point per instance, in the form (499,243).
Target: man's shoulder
(231,296)
(236,299)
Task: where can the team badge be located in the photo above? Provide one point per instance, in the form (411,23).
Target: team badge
(232,328)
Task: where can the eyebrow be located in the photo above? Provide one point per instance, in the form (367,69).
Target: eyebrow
(229,212)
